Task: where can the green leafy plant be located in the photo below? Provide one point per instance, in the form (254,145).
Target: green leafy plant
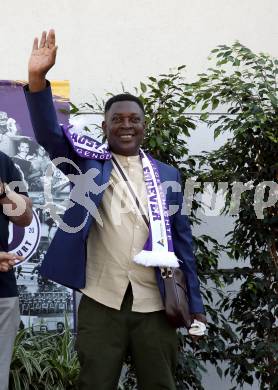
(245,84)
(242,327)
(25,366)
(44,361)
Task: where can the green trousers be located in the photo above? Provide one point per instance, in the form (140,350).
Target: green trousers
(106,335)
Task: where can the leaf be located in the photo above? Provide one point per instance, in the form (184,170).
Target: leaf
(236,62)
(143,87)
(217,132)
(273,99)
(204,116)
(219,372)
(207,95)
(215,103)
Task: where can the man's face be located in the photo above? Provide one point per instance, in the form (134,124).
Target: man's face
(60,327)
(23,148)
(124,127)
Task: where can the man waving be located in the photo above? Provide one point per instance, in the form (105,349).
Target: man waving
(115,263)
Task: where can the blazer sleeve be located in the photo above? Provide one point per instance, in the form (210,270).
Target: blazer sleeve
(45,124)
(183,247)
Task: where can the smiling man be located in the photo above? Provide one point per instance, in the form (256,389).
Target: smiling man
(115,263)
(124,124)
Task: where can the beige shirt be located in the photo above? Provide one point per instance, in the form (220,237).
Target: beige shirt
(111,247)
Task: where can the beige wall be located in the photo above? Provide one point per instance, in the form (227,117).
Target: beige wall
(102,43)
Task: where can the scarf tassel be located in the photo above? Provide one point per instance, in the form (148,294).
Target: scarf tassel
(157,259)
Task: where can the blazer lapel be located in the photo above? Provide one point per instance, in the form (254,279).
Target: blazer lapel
(106,172)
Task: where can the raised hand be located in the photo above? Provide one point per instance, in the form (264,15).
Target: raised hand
(42,59)
(7,260)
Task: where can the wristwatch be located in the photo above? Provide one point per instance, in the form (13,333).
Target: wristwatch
(3,193)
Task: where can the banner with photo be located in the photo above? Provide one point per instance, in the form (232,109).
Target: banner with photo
(43,304)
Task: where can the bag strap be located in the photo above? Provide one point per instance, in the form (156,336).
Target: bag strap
(166,272)
(131,191)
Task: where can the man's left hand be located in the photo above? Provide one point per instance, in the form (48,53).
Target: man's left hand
(201,318)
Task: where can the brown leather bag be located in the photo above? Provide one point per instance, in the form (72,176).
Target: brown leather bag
(176,299)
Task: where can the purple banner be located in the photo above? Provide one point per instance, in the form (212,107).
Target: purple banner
(43,304)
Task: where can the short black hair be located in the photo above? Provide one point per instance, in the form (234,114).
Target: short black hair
(123,97)
(23,141)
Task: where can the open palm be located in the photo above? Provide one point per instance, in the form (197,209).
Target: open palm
(43,54)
